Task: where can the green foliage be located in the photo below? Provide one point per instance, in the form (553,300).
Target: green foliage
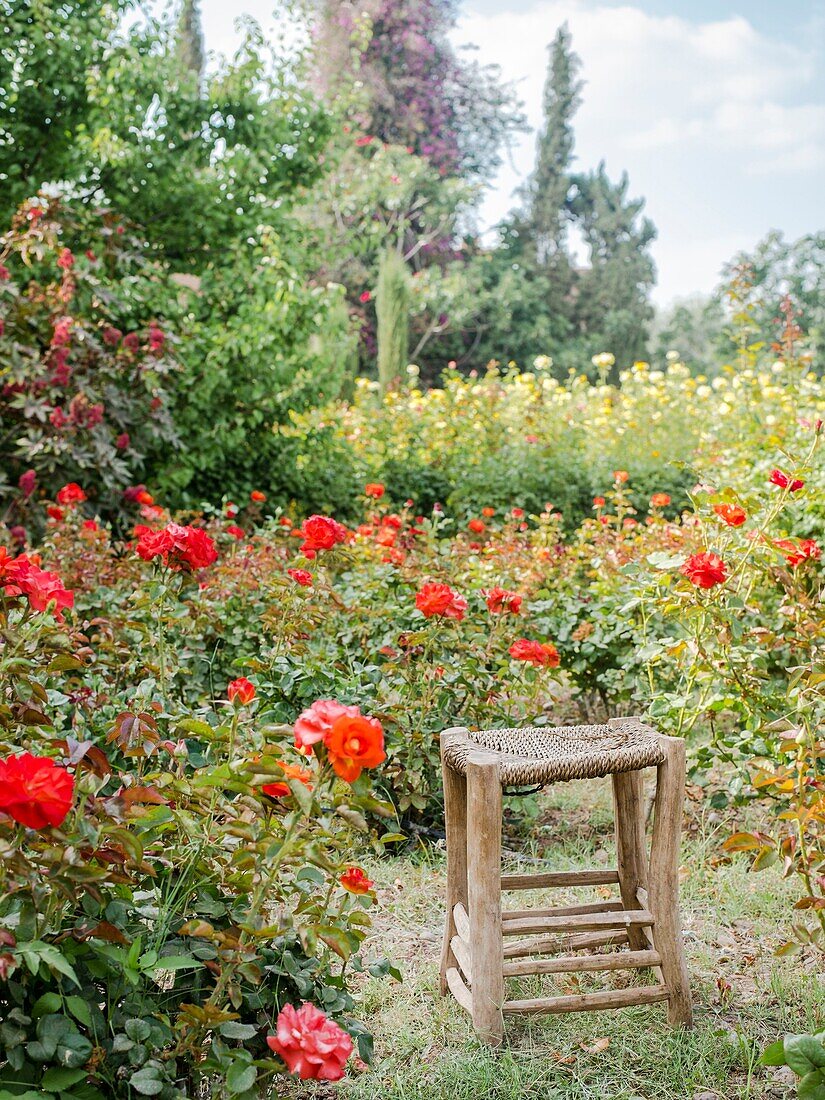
(263,344)
(392,304)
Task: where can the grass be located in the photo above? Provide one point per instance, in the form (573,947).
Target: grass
(744,995)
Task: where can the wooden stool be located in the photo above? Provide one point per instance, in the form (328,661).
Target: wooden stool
(480,944)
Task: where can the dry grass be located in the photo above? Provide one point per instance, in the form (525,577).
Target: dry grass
(744,995)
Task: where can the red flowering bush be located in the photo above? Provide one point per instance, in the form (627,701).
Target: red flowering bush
(85,390)
(321,533)
(542,654)
(705,570)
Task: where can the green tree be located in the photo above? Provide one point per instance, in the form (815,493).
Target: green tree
(49,49)
(189,39)
(393,309)
(613,309)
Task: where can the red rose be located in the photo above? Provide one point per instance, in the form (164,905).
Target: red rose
(24,577)
(156,339)
(71,494)
(705,570)
(355,880)
(621,476)
(731,514)
(321,533)
(111,336)
(257,496)
(798,551)
(488,513)
(131,341)
(122,441)
(500,600)
(235,531)
(55,513)
(65,260)
(35,791)
(4,274)
(242,690)
(477,526)
(354,743)
(27,482)
(541,654)
(291,771)
(659,500)
(310,1044)
(301,576)
(793,485)
(599,502)
(439,599)
(517,513)
(313,724)
(374,489)
(365,296)
(177,546)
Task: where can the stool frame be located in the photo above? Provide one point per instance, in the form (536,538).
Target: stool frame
(480,949)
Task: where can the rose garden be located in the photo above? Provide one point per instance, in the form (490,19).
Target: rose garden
(247,579)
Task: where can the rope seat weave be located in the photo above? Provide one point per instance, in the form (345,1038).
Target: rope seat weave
(542,754)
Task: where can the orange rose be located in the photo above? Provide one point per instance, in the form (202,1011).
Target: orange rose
(354,743)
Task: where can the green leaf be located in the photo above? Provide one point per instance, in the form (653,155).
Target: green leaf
(774,1055)
(56,1079)
(241,1077)
(175,962)
(234,1029)
(812,1086)
(147,1082)
(49,1002)
(804,1054)
(80,1010)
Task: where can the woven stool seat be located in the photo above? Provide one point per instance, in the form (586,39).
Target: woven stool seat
(541,754)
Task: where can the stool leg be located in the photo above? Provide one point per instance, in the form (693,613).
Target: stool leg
(484,887)
(631,852)
(455,826)
(663,880)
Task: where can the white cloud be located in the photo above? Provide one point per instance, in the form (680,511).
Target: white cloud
(718,125)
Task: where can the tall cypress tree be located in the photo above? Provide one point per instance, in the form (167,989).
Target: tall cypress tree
(392,305)
(189,45)
(549,187)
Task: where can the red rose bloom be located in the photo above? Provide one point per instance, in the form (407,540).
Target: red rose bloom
(235,531)
(257,496)
(793,485)
(177,546)
(314,723)
(659,500)
(27,482)
(71,494)
(599,502)
(354,880)
(365,295)
(541,654)
(797,552)
(24,577)
(488,513)
(112,336)
(374,489)
(242,690)
(705,570)
(354,743)
(731,514)
(477,526)
(500,600)
(301,576)
(321,533)
(35,791)
(291,771)
(65,260)
(621,476)
(122,441)
(439,599)
(310,1044)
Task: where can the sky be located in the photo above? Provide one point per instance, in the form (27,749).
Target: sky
(715,108)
